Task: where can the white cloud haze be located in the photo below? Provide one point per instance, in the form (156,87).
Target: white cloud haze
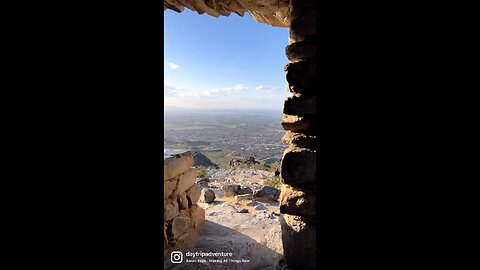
(240,96)
(173,65)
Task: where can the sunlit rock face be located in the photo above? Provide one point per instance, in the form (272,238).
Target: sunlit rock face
(272,12)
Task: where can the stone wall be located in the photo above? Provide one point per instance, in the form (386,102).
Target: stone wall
(297,198)
(182,215)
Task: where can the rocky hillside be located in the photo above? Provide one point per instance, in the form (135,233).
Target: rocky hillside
(242,216)
(200,159)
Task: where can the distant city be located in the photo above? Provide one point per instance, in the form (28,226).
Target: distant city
(223,135)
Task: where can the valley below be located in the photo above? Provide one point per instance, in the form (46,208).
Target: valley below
(223,135)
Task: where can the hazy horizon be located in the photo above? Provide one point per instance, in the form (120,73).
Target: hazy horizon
(220,110)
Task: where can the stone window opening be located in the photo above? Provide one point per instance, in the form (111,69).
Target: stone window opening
(298,167)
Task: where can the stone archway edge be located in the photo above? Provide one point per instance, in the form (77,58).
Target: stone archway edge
(272,12)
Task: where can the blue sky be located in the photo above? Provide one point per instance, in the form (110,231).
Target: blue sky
(223,63)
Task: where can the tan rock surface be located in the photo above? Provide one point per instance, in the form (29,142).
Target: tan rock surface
(185,181)
(175,165)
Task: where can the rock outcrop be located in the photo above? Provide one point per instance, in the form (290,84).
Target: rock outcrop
(207,195)
(267,193)
(182,215)
(239,161)
(200,159)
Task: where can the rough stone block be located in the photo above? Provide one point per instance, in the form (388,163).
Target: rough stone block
(267,193)
(183,201)
(304,124)
(198,216)
(301,105)
(170,210)
(302,77)
(302,50)
(180,226)
(299,202)
(245,190)
(176,165)
(185,213)
(185,181)
(303,27)
(300,140)
(298,8)
(193,194)
(168,187)
(299,166)
(299,245)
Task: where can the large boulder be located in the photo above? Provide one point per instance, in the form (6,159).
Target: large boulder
(207,196)
(267,193)
(230,190)
(203,182)
(244,191)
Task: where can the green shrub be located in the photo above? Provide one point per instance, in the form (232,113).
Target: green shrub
(201,172)
(272,167)
(274,181)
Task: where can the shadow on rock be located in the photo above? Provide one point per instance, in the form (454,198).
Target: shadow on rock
(246,252)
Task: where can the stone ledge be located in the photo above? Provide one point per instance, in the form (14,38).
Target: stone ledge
(300,140)
(294,123)
(177,164)
(273,12)
(302,50)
